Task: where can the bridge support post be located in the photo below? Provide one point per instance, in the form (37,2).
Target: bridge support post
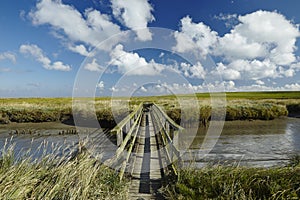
(171,152)
(119,137)
(127,127)
(167,126)
(135,116)
(176,139)
(131,122)
(171,132)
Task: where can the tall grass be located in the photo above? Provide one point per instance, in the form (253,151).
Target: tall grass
(80,178)
(240,111)
(220,182)
(253,110)
(240,106)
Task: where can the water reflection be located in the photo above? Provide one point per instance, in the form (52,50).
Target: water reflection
(254,143)
(251,143)
(293,134)
(46,140)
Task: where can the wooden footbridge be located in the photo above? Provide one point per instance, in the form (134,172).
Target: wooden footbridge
(146,151)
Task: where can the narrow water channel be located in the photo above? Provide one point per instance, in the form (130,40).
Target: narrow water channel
(247,143)
(44,139)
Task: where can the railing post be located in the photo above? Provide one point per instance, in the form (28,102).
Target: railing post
(171,132)
(171,153)
(131,122)
(127,127)
(119,134)
(175,139)
(167,127)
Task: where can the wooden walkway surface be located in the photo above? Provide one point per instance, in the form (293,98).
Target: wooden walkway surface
(147,164)
(144,150)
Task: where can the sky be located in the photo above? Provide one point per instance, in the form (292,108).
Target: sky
(60,48)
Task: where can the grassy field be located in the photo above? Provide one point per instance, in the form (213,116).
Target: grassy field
(53,109)
(80,178)
(240,183)
(247,95)
(240,106)
(83,177)
(258,95)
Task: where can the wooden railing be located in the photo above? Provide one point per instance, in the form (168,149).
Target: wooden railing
(127,130)
(126,124)
(168,130)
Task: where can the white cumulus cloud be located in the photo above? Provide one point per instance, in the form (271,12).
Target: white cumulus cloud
(38,54)
(133,63)
(259,82)
(100,85)
(260,45)
(9,56)
(269,34)
(194,37)
(235,46)
(135,14)
(93,66)
(91,29)
(193,71)
(227,73)
(114,89)
(143,89)
(292,87)
(81,49)
(229,19)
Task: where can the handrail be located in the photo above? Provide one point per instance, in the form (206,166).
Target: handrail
(128,136)
(167,135)
(121,148)
(122,171)
(161,119)
(169,140)
(118,129)
(171,121)
(121,124)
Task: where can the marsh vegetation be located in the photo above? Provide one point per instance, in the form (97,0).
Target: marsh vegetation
(221,182)
(82,177)
(240,106)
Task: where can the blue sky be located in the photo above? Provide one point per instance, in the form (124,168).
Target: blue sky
(45,44)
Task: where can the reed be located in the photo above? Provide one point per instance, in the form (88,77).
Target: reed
(221,182)
(81,177)
(240,106)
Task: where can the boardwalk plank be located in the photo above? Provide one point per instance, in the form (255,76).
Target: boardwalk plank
(147,176)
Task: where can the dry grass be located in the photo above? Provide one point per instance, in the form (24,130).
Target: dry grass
(79,178)
(240,106)
(220,182)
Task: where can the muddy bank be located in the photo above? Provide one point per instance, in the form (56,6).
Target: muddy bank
(294,110)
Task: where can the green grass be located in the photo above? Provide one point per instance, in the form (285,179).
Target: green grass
(245,95)
(220,182)
(240,106)
(85,178)
(252,111)
(81,178)
(256,95)
(263,95)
